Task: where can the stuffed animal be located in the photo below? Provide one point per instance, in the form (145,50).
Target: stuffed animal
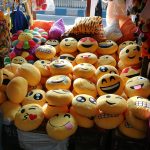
(29,117)
(18,60)
(61,126)
(137,86)
(12,67)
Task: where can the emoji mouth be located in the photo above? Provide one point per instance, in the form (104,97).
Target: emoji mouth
(58,65)
(5,81)
(131,57)
(133,75)
(67,125)
(110,103)
(59,92)
(87,46)
(105,45)
(101,116)
(67,44)
(137,87)
(58,81)
(84,68)
(54,45)
(142,104)
(111,89)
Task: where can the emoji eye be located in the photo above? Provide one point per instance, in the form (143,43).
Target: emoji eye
(127,51)
(66,40)
(119,97)
(71,58)
(108,96)
(103,69)
(42,62)
(92,100)
(131,43)
(140,78)
(63,57)
(112,78)
(123,43)
(67,115)
(139,97)
(81,99)
(30,93)
(104,80)
(38,96)
(23,110)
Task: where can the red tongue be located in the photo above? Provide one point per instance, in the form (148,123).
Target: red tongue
(85,56)
(32,117)
(69,126)
(137,87)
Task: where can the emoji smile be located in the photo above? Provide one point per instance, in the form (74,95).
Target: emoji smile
(142,104)
(87,46)
(67,125)
(133,75)
(137,87)
(110,103)
(111,89)
(131,57)
(67,44)
(59,92)
(58,65)
(105,45)
(84,68)
(57,81)
(101,116)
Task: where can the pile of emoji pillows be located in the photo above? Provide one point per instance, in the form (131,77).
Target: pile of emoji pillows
(65,84)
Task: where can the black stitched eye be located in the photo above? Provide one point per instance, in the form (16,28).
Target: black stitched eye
(67,115)
(63,57)
(112,78)
(71,58)
(127,51)
(92,100)
(42,62)
(108,96)
(104,80)
(23,110)
(81,99)
(30,93)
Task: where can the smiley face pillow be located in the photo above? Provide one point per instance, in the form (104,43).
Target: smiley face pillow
(137,86)
(61,126)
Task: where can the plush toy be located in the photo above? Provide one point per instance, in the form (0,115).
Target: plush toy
(106,60)
(136,123)
(3,97)
(35,96)
(137,86)
(51,110)
(43,66)
(30,73)
(12,67)
(87,44)
(61,126)
(18,60)
(139,106)
(130,72)
(55,43)
(85,105)
(84,70)
(86,58)
(105,69)
(84,86)
(83,121)
(110,84)
(126,129)
(68,45)
(130,55)
(29,117)
(45,52)
(17,89)
(9,110)
(68,57)
(107,47)
(58,82)
(59,97)
(60,67)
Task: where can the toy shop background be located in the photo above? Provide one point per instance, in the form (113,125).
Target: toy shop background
(71,78)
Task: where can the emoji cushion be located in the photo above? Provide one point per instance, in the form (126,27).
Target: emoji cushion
(9,110)
(108,121)
(126,129)
(137,86)
(30,73)
(85,105)
(61,126)
(86,58)
(17,89)
(12,67)
(110,84)
(60,66)
(84,86)
(85,122)
(29,117)
(43,66)
(18,60)
(111,104)
(45,52)
(59,97)
(84,70)
(58,82)
(106,60)
(138,124)
(140,107)
(68,45)
(105,69)
(130,55)
(87,44)
(107,47)
(35,96)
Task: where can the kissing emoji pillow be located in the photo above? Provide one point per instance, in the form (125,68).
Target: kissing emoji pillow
(61,126)
(29,117)
(110,84)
